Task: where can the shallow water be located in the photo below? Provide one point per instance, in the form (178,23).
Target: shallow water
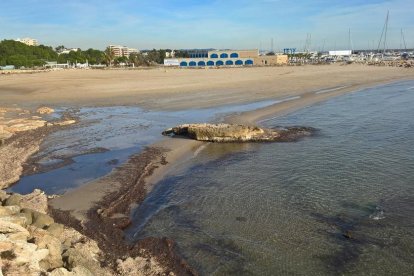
(105,138)
(341,202)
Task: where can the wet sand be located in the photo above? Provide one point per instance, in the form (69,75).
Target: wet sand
(178,151)
(188,88)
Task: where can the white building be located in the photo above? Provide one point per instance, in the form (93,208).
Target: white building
(340,53)
(122,51)
(28,41)
(67,51)
(170,54)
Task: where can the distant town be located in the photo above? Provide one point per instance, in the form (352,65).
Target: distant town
(28,53)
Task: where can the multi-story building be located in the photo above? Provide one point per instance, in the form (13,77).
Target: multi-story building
(68,50)
(122,51)
(28,41)
(227,58)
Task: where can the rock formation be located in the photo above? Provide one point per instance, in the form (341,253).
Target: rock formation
(45,110)
(31,243)
(237,133)
(20,137)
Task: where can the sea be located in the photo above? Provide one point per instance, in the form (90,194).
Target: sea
(340,202)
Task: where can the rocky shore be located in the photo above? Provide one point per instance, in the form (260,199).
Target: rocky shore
(21,133)
(225,133)
(36,239)
(31,243)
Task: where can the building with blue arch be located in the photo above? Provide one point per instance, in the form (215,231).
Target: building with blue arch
(219,58)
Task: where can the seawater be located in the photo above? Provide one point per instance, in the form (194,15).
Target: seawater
(106,137)
(338,203)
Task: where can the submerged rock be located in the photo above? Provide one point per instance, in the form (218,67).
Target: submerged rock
(238,133)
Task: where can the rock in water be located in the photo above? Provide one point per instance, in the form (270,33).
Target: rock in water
(237,133)
(45,110)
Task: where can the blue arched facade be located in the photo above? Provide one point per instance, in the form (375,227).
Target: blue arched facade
(248,62)
(234,55)
(183,63)
(224,55)
(219,63)
(201,63)
(210,63)
(214,56)
(239,62)
(229,62)
(192,63)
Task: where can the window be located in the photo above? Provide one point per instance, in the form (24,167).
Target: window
(192,63)
(214,56)
(201,63)
(224,55)
(229,62)
(183,63)
(239,62)
(220,63)
(234,55)
(210,63)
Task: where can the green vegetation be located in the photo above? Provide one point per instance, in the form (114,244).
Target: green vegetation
(91,55)
(20,55)
(109,56)
(181,54)
(156,56)
(147,58)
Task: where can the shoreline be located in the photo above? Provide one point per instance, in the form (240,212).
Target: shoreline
(106,203)
(100,202)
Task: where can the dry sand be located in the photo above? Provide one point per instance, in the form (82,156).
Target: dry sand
(176,89)
(181,88)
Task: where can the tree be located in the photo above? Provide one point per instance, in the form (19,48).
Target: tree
(19,54)
(60,48)
(138,59)
(94,56)
(109,56)
(120,60)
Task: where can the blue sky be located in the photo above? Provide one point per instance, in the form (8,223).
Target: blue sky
(203,24)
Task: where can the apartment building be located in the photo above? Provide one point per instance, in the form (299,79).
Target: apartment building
(122,51)
(28,41)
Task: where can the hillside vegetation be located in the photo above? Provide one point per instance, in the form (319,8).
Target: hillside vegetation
(21,55)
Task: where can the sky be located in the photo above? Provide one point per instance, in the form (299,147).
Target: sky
(220,24)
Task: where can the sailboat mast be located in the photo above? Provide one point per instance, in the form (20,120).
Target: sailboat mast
(403,40)
(386,29)
(383,34)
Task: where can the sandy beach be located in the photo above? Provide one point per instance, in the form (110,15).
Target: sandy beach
(161,88)
(171,89)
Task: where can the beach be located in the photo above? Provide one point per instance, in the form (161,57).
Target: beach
(167,88)
(294,87)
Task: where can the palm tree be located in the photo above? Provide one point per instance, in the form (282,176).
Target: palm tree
(109,56)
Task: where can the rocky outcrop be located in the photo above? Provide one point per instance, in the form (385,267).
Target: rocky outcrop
(31,243)
(14,153)
(45,110)
(20,137)
(237,133)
